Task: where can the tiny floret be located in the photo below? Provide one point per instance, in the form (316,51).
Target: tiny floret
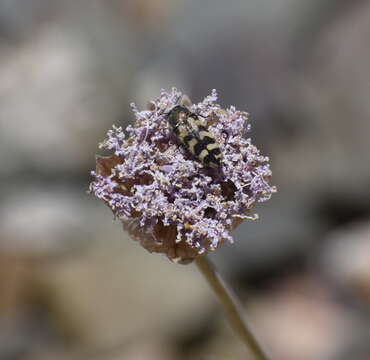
(181,180)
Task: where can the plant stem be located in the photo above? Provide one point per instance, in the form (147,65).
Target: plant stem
(231,306)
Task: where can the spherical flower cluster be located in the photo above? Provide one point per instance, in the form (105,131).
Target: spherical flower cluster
(167,199)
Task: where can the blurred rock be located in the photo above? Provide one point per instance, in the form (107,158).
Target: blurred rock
(46,221)
(332,89)
(14,276)
(300,320)
(50,106)
(120,292)
(345,260)
(23,327)
(19,19)
(154,349)
(357,348)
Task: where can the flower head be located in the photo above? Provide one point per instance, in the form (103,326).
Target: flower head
(168,200)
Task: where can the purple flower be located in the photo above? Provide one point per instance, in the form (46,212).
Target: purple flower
(170,202)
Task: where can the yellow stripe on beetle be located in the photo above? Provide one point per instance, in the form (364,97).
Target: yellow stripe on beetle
(203,134)
(212,146)
(203,154)
(191,145)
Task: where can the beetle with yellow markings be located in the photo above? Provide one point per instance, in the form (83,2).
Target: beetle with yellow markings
(194,136)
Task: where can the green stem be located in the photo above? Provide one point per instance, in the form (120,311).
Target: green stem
(231,306)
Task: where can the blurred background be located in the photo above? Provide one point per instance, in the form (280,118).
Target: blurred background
(73,286)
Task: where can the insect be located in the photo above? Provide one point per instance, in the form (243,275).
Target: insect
(194,136)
